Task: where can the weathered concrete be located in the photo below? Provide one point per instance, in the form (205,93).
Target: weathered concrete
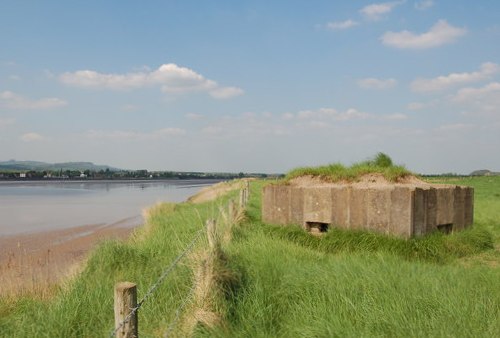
(405,210)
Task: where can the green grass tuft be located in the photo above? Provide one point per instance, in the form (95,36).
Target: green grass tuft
(381,164)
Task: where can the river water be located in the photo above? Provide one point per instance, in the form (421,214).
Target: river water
(27,207)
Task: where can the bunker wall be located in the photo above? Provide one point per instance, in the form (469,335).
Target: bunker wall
(404,211)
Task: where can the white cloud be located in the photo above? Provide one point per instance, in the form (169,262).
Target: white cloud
(424,4)
(170,77)
(474,94)
(112,134)
(376,11)
(129,107)
(289,126)
(439,34)
(4,122)
(124,135)
(90,78)
(425,105)
(32,137)
(170,132)
(246,124)
(442,82)
(330,114)
(341,25)
(327,114)
(352,114)
(319,124)
(395,117)
(213,129)
(226,92)
(12,100)
(455,127)
(416,106)
(483,101)
(373,83)
(194,116)
(8,63)
(319,116)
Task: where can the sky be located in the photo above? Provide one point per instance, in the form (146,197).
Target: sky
(251,86)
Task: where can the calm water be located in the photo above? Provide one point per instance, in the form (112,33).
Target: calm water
(39,206)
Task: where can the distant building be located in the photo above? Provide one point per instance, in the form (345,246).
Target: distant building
(22,175)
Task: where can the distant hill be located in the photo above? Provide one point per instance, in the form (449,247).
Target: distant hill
(484,172)
(43,166)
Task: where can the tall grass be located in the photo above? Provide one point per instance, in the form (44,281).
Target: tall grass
(292,291)
(289,284)
(84,306)
(381,164)
(437,247)
(358,284)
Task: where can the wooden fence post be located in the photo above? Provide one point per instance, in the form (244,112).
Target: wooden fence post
(212,234)
(125,301)
(242,198)
(230,211)
(247,192)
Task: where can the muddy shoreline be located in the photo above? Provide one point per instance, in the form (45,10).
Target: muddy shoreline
(36,261)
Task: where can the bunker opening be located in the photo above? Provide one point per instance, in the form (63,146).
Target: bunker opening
(445,228)
(317,227)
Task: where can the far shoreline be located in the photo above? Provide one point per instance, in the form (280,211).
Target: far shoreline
(206,181)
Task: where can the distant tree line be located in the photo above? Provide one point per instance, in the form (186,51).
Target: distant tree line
(118,175)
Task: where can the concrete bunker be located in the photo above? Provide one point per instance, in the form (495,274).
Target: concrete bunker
(407,208)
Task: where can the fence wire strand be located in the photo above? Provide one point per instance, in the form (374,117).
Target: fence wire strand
(179,311)
(153,288)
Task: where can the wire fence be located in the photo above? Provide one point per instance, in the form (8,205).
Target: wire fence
(178,312)
(244,197)
(164,275)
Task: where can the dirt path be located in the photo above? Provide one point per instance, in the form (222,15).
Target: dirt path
(212,192)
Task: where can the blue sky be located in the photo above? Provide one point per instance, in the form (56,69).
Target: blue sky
(251,85)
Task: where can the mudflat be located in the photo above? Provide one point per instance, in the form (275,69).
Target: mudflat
(33,262)
(37,261)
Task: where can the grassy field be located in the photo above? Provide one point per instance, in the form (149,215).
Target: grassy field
(290,284)
(363,285)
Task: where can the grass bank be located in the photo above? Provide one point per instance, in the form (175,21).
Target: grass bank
(352,284)
(290,284)
(83,307)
